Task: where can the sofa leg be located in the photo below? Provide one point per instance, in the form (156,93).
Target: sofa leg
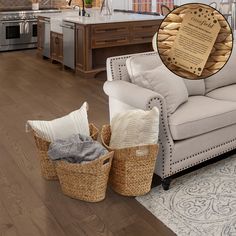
(166,183)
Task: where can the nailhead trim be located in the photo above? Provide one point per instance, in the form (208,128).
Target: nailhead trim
(123,63)
(150,106)
(209,149)
(171,150)
(203,160)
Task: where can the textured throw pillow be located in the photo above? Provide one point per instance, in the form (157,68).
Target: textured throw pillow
(195,87)
(142,62)
(74,123)
(166,83)
(226,76)
(139,63)
(134,128)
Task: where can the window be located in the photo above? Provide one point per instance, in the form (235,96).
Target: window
(168,3)
(151,5)
(142,5)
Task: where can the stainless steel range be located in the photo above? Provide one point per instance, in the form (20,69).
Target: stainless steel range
(18,29)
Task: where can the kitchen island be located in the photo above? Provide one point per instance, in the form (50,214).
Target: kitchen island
(99,37)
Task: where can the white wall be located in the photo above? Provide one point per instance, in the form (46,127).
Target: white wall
(122,4)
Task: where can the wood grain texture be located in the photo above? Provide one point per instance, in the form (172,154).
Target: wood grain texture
(32,88)
(111,39)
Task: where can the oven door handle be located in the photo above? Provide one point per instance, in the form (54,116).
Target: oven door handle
(31,21)
(19,21)
(12,21)
(26,27)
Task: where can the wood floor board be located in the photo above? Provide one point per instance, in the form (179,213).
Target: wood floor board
(93,225)
(38,222)
(75,230)
(29,214)
(17,145)
(139,227)
(33,88)
(17,194)
(67,211)
(113,208)
(7,227)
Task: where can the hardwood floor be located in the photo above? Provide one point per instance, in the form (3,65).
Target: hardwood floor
(32,88)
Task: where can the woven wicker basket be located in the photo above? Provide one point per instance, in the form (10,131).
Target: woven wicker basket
(48,168)
(87,182)
(132,168)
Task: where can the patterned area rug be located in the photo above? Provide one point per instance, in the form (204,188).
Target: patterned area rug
(202,203)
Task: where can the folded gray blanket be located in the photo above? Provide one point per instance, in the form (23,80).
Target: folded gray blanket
(76,149)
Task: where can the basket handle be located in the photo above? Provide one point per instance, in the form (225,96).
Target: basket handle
(106,161)
(142,152)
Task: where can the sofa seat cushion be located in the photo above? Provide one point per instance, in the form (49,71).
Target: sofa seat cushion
(201,115)
(227,93)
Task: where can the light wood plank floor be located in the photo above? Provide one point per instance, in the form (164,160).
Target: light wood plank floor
(32,88)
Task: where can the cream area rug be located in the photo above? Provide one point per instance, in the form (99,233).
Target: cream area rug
(202,203)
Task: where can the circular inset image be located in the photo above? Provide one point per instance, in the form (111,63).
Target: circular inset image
(194,41)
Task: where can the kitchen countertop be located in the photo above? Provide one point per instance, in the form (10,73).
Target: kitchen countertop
(117,17)
(96,18)
(56,19)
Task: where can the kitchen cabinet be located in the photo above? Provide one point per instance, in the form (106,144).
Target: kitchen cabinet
(96,42)
(57,47)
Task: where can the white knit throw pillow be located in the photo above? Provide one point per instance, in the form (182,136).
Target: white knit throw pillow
(74,123)
(134,128)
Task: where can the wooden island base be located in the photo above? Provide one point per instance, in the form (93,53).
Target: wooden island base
(95,43)
(99,58)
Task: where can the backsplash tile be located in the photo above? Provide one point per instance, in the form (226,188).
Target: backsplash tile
(21,4)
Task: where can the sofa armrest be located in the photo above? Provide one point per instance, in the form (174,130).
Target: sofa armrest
(145,99)
(130,94)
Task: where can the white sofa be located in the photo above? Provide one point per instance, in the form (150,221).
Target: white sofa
(200,129)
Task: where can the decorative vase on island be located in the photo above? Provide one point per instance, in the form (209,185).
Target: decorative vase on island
(106,8)
(35,6)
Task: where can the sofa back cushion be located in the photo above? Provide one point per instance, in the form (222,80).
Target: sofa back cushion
(164,82)
(226,76)
(195,87)
(117,69)
(142,62)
